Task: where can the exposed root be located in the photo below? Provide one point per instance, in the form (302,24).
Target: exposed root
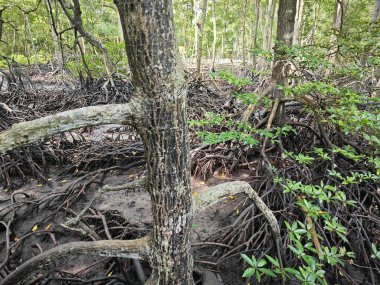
(138,249)
(131,185)
(215,194)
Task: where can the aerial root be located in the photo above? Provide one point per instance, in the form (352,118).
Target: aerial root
(214,194)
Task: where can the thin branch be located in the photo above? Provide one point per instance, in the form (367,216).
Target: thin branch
(33,131)
(138,248)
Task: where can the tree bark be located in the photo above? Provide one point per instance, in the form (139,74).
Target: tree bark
(298,21)
(214,36)
(257,17)
(244,47)
(200,21)
(340,8)
(376,11)
(285,28)
(158,78)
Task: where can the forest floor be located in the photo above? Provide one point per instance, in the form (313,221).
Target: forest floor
(41,186)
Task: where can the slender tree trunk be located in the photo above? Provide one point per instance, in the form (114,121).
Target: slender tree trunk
(298,21)
(266,28)
(285,28)
(273,12)
(26,44)
(267,31)
(340,7)
(376,11)
(2,22)
(214,37)
(202,9)
(244,47)
(120,4)
(58,54)
(257,17)
(309,39)
(76,21)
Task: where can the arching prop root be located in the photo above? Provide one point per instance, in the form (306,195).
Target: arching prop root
(214,194)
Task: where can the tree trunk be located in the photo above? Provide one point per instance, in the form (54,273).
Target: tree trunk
(309,39)
(340,7)
(76,21)
(257,17)
(244,47)
(267,31)
(298,21)
(120,5)
(376,11)
(58,54)
(214,37)
(200,19)
(2,22)
(270,40)
(285,28)
(158,78)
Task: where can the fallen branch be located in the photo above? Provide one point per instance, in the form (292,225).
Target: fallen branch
(33,131)
(137,249)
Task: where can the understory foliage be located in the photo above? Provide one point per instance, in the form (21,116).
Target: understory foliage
(322,157)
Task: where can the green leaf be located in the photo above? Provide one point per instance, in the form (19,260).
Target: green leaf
(248,272)
(261,263)
(273,261)
(248,260)
(267,272)
(292,271)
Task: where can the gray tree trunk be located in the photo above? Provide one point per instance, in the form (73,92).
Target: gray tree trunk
(257,17)
(199,24)
(158,78)
(376,11)
(298,22)
(340,8)
(285,28)
(214,37)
